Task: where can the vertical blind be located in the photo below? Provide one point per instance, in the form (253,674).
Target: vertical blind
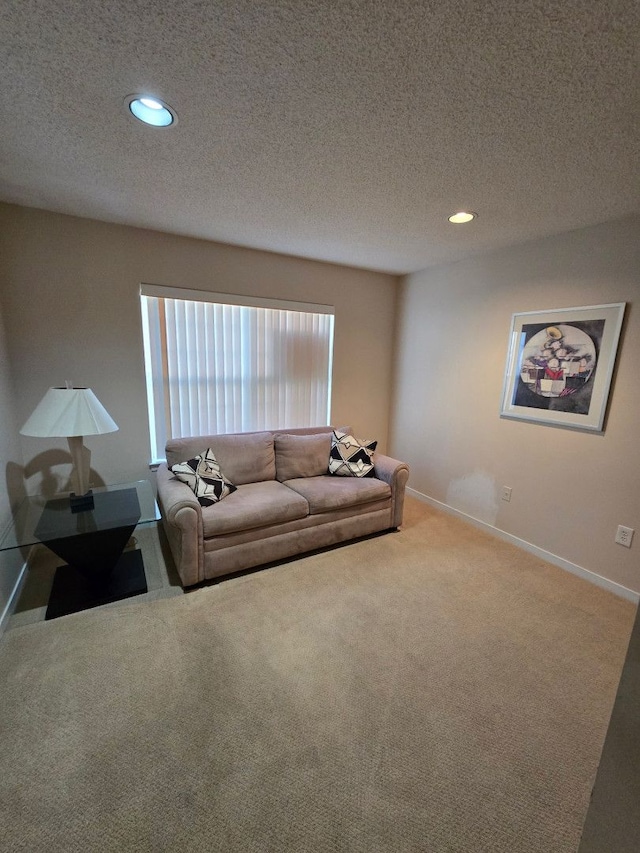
(214,367)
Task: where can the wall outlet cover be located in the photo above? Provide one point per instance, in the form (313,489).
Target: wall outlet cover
(624,535)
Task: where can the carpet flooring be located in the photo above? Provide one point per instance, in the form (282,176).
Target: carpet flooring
(429,690)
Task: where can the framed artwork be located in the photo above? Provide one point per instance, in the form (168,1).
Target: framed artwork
(560,364)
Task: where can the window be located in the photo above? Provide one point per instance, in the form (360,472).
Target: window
(217,363)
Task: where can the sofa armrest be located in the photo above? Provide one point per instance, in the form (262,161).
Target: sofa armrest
(396,474)
(182,522)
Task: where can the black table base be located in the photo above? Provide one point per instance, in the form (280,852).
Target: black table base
(74,591)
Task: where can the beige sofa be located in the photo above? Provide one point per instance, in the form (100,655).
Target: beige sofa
(285,503)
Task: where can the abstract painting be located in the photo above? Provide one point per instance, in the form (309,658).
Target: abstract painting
(560,365)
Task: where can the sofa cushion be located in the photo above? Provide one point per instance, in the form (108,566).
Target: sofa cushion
(204,477)
(327,493)
(351,457)
(253,505)
(301,455)
(244,457)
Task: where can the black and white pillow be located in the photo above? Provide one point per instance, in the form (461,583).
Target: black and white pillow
(350,457)
(204,477)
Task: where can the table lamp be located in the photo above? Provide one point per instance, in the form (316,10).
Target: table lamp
(72,413)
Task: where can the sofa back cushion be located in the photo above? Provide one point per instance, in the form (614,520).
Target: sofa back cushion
(302,455)
(244,457)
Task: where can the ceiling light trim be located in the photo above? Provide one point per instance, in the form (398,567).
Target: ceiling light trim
(145,108)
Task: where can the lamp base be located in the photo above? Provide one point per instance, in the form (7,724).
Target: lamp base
(81,503)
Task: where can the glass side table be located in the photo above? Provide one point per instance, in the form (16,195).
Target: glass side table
(97,569)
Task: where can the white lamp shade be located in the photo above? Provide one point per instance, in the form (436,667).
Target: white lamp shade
(65,412)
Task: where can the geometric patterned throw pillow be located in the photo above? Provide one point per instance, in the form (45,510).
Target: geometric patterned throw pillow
(204,477)
(350,457)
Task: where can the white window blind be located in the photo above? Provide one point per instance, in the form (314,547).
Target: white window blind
(215,365)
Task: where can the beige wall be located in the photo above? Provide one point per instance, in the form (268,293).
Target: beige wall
(10,460)
(70,290)
(570,489)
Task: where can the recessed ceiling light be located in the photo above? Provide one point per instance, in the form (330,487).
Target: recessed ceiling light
(150,110)
(462,216)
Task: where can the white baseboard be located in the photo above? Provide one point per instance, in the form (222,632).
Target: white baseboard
(13,598)
(592,577)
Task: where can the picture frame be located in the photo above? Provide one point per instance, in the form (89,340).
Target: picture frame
(560,364)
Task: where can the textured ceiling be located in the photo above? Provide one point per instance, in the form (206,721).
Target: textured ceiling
(343,130)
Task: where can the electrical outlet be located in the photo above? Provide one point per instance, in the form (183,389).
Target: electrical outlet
(506,493)
(624,535)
